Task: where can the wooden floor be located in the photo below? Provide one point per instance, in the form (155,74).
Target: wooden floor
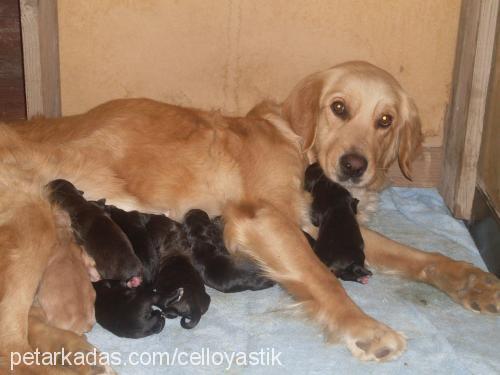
(12,99)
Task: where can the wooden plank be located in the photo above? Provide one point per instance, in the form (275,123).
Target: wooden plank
(41,57)
(12,101)
(488,177)
(484,227)
(465,117)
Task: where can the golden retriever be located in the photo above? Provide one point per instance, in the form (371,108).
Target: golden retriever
(142,154)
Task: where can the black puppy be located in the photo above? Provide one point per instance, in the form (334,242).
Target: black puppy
(170,281)
(129,312)
(133,223)
(219,269)
(162,246)
(101,238)
(339,245)
(177,272)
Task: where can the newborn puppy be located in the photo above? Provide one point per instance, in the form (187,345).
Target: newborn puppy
(339,244)
(219,269)
(161,245)
(133,223)
(129,312)
(177,273)
(167,236)
(101,238)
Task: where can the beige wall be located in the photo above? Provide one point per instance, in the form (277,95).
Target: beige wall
(230,54)
(488,173)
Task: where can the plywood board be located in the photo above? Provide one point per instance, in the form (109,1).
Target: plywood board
(467,107)
(41,57)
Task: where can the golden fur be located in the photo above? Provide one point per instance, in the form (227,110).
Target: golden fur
(72,306)
(146,155)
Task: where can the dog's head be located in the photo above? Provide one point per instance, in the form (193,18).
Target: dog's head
(356,120)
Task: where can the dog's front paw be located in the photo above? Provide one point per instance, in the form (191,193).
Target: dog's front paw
(467,285)
(370,340)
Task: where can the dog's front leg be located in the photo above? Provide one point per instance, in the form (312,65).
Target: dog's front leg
(466,284)
(48,339)
(278,244)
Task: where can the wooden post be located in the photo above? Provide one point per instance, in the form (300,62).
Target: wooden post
(464,123)
(41,57)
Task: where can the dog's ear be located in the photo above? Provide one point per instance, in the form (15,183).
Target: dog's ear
(354,205)
(302,107)
(410,138)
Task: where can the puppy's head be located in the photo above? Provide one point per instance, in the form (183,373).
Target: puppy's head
(356,120)
(196,217)
(197,224)
(313,174)
(61,190)
(354,272)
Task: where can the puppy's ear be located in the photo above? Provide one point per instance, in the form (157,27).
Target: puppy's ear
(302,107)
(410,137)
(312,175)
(354,205)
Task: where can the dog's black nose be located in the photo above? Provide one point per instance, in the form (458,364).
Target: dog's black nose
(353,165)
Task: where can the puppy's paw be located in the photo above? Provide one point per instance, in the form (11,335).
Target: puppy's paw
(374,341)
(474,289)
(173,297)
(158,322)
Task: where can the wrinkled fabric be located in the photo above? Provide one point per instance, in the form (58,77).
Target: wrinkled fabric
(442,336)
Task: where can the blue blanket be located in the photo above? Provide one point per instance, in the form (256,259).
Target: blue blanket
(258,332)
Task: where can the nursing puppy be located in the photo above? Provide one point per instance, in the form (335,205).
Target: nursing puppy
(219,269)
(133,224)
(172,282)
(177,273)
(339,244)
(128,312)
(101,238)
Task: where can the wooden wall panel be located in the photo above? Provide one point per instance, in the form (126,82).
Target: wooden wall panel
(12,100)
(462,140)
(488,176)
(41,57)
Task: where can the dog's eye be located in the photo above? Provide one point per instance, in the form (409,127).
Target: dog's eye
(338,108)
(385,121)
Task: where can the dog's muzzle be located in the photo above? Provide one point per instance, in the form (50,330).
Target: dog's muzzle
(352,166)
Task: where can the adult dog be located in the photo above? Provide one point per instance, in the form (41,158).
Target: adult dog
(354,118)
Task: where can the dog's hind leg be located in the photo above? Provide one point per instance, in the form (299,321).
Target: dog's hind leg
(277,243)
(27,240)
(466,284)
